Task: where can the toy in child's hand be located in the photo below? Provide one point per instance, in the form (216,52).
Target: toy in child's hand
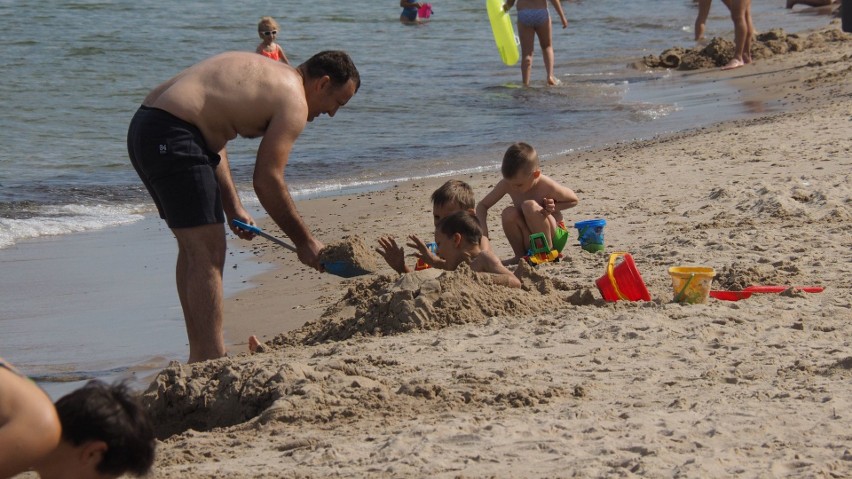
(540,251)
(433,247)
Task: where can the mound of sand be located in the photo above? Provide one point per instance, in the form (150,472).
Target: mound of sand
(719,51)
(230,391)
(351,250)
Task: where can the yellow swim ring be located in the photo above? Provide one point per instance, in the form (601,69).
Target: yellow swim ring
(504,34)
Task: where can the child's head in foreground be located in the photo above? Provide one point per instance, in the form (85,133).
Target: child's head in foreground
(452,196)
(267,29)
(456,235)
(520,166)
(105,433)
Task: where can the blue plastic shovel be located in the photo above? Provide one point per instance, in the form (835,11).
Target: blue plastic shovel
(337,268)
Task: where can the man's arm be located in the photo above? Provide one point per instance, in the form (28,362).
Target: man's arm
(486,203)
(271,186)
(230,198)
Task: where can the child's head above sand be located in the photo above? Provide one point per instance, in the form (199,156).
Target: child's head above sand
(458,237)
(452,196)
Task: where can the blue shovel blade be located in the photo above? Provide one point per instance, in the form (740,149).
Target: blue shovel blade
(344,269)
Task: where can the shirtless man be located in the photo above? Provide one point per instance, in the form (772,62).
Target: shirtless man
(176,142)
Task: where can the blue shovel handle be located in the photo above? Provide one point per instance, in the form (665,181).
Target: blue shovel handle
(254,229)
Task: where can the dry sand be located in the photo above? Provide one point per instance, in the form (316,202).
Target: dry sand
(450,376)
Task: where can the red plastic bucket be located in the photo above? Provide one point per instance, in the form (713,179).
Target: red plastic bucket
(623,281)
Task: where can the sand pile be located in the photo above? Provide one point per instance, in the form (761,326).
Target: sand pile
(424,301)
(719,51)
(351,250)
(234,390)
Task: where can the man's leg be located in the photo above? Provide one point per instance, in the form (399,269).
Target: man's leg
(739,17)
(750,35)
(200,263)
(701,18)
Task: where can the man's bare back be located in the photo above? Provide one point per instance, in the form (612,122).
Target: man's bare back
(235,93)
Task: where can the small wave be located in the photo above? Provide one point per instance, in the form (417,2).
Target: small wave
(332,188)
(656,112)
(75,376)
(59,220)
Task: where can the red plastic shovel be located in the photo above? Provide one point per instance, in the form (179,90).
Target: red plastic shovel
(747,292)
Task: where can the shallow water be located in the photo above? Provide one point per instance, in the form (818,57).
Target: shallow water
(436,99)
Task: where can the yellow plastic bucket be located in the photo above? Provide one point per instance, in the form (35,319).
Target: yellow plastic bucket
(691,284)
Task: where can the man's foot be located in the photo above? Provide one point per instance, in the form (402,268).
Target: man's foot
(746,58)
(553,81)
(734,63)
(256,345)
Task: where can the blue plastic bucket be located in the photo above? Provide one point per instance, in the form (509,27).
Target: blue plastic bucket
(590,233)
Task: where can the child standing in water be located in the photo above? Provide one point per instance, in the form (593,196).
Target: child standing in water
(534,19)
(409,11)
(267,30)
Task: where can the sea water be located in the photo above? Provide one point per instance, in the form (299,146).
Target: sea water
(435,100)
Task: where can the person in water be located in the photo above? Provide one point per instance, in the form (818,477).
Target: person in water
(409,12)
(534,19)
(267,30)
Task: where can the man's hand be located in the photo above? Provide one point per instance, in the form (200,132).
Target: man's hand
(242,215)
(393,254)
(309,253)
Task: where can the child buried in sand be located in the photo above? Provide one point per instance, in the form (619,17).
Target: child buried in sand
(459,239)
(449,198)
(537,202)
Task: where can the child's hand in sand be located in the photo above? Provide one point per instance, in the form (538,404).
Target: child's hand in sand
(423,252)
(393,254)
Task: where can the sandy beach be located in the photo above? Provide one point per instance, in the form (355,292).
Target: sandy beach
(450,376)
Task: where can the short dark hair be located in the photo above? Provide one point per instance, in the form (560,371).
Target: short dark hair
(463,223)
(454,191)
(100,412)
(519,156)
(334,63)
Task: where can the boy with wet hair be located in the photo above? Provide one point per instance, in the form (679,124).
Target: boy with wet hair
(537,202)
(459,239)
(105,434)
(452,196)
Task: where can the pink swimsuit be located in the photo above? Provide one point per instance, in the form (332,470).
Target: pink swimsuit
(273,54)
